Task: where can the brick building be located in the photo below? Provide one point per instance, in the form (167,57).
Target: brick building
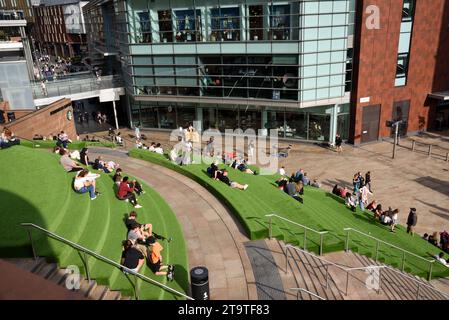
(401,68)
(59,28)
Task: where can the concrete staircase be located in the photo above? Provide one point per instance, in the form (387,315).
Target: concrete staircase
(51,272)
(309,272)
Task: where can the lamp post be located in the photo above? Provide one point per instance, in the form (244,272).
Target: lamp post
(395,125)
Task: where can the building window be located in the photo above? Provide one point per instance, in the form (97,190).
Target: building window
(165,25)
(401,69)
(280,22)
(408,10)
(256,30)
(187,25)
(225,23)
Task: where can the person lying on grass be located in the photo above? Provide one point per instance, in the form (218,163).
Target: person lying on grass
(68,164)
(126,192)
(107,167)
(223,177)
(146,230)
(85,182)
(132,257)
(155,261)
(244,168)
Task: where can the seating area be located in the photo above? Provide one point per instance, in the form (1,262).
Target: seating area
(321,211)
(47,200)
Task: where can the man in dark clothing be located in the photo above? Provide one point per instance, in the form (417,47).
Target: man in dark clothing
(293,189)
(368,180)
(146,229)
(412,220)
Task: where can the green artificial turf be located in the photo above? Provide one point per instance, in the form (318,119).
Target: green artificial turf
(35,188)
(321,211)
(75,145)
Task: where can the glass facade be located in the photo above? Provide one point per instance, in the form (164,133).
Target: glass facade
(278,61)
(405,36)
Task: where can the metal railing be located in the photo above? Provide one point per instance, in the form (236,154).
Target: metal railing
(328,264)
(75,85)
(378,242)
(82,251)
(320,233)
(306,291)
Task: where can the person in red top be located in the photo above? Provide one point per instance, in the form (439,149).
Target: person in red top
(126,192)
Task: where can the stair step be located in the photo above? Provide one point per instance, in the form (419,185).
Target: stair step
(86,287)
(28,264)
(111,295)
(47,270)
(58,277)
(98,292)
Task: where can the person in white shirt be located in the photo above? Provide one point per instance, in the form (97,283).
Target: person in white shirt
(85,182)
(281,171)
(440,259)
(158,149)
(152,146)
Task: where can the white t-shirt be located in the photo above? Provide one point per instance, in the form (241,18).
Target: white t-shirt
(281,171)
(159,150)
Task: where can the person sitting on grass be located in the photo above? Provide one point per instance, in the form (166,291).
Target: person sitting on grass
(377,211)
(223,177)
(343,192)
(440,259)
(385,218)
(158,149)
(294,190)
(84,157)
(145,229)
(433,239)
(336,190)
(281,183)
(68,164)
(107,167)
(85,182)
(126,192)
(132,258)
(305,179)
(63,140)
(351,201)
(316,184)
(155,261)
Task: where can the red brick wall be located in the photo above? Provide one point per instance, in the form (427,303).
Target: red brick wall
(376,56)
(42,122)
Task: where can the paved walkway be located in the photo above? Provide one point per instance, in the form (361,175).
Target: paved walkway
(213,236)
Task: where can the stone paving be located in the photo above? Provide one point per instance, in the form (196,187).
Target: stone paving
(213,237)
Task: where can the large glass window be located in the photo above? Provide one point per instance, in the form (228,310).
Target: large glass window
(228,118)
(256,22)
(186,115)
(408,10)
(188,25)
(319,127)
(165,25)
(250,118)
(145,27)
(167,117)
(402,69)
(225,24)
(295,125)
(280,22)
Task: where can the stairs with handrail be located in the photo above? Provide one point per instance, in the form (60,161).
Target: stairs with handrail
(51,272)
(333,277)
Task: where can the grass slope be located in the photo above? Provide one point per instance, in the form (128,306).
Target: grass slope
(75,145)
(320,211)
(35,188)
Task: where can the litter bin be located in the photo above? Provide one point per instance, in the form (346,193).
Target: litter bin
(200,283)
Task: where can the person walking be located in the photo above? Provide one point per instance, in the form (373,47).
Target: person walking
(412,220)
(338,143)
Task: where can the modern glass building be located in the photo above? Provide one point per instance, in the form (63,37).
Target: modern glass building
(231,64)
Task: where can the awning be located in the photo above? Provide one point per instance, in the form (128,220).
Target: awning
(440,95)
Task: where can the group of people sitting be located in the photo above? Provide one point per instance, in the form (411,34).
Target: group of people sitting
(294,185)
(142,244)
(7,139)
(443,242)
(63,140)
(98,163)
(153,147)
(222,175)
(127,188)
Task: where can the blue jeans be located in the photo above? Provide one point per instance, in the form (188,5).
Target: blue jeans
(89,189)
(362,205)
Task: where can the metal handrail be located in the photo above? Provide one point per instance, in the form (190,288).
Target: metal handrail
(321,233)
(79,248)
(379,241)
(306,291)
(348,270)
